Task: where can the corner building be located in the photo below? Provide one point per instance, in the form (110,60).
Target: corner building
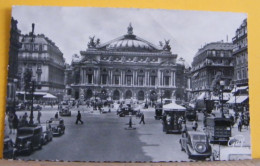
(240,55)
(128,67)
(210,64)
(46,61)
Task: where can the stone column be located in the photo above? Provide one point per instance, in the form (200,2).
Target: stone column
(171,80)
(162,79)
(121,77)
(111,73)
(174,79)
(158,78)
(148,78)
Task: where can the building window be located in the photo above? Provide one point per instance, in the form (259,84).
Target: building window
(153,79)
(140,80)
(167,80)
(90,81)
(36,47)
(27,47)
(238,75)
(128,80)
(44,47)
(117,78)
(104,79)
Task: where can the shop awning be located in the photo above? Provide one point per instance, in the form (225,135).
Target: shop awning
(35,93)
(201,96)
(226,96)
(173,107)
(49,96)
(195,74)
(237,99)
(239,88)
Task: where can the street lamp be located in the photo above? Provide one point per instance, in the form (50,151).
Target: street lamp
(15,85)
(32,94)
(222,84)
(235,94)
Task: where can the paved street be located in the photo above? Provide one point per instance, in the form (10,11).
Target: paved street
(103,137)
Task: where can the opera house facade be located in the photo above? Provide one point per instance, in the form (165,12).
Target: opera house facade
(127,67)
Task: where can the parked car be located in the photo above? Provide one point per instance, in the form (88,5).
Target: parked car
(9,150)
(65,112)
(195,144)
(28,138)
(57,126)
(37,107)
(47,134)
(191,114)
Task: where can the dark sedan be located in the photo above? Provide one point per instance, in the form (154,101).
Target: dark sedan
(196,145)
(57,126)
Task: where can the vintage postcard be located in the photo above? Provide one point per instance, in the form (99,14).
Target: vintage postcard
(127,85)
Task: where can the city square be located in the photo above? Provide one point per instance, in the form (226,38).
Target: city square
(126,98)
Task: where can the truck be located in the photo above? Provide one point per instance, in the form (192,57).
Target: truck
(218,129)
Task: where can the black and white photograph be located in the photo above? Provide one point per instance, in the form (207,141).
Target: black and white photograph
(127,85)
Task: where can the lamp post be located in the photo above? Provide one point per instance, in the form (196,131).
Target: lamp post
(32,94)
(15,82)
(222,84)
(235,94)
(95,107)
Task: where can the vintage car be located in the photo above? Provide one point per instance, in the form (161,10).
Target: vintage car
(65,112)
(9,150)
(28,138)
(195,144)
(57,126)
(126,110)
(47,134)
(191,114)
(158,111)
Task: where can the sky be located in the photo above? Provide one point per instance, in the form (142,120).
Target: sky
(71,27)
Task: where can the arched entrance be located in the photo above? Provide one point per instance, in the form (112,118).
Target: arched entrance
(128,94)
(116,95)
(103,94)
(140,95)
(167,94)
(88,94)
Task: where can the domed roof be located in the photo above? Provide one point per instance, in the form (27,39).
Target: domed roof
(129,42)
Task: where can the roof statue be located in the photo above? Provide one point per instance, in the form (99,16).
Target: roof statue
(130,29)
(166,45)
(92,43)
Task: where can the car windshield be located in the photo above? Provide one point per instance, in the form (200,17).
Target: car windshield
(55,122)
(199,137)
(222,123)
(24,132)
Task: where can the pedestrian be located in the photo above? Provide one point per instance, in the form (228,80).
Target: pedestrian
(79,118)
(130,120)
(232,119)
(56,115)
(10,122)
(239,125)
(24,119)
(15,123)
(142,119)
(39,116)
(194,125)
(183,129)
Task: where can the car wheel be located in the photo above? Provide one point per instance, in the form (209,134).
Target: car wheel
(30,150)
